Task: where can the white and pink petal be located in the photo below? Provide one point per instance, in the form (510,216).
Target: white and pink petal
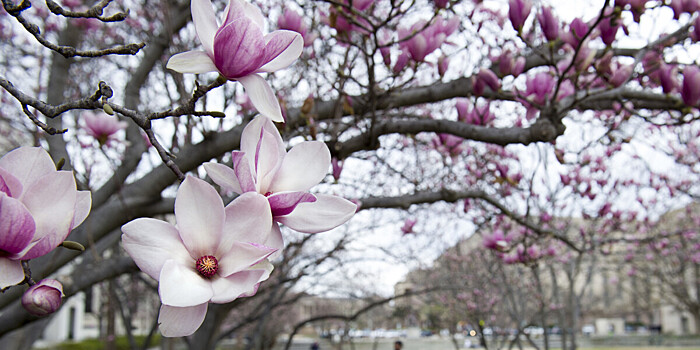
(284,203)
(303,167)
(181,321)
(242,256)
(199,212)
(248,219)
(229,288)
(282,48)
(182,286)
(204,23)
(262,96)
(28,164)
(326,213)
(16,225)
(151,243)
(195,62)
(12,272)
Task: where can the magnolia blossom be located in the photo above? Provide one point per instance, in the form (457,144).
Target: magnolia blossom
(39,206)
(263,166)
(238,50)
(102,127)
(419,41)
(214,254)
(292,20)
(43,298)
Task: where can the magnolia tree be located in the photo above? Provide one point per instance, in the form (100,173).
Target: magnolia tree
(228,114)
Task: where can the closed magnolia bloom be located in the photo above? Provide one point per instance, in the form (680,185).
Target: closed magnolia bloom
(43,298)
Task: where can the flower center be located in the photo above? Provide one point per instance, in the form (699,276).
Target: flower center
(207,266)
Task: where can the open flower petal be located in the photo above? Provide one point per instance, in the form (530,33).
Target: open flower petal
(28,164)
(275,241)
(223,176)
(266,267)
(238,48)
(199,212)
(228,289)
(303,167)
(250,138)
(9,184)
(325,213)
(284,203)
(248,219)
(181,321)
(83,203)
(262,96)
(16,225)
(12,272)
(191,62)
(151,243)
(282,48)
(204,23)
(51,200)
(182,286)
(242,256)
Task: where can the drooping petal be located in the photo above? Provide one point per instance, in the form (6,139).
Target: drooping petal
(275,240)
(262,97)
(51,199)
(303,167)
(248,219)
(12,272)
(16,225)
(9,184)
(239,48)
(191,62)
(241,256)
(228,289)
(266,267)
(199,212)
(151,243)
(284,203)
(182,286)
(28,164)
(204,23)
(83,203)
(181,321)
(282,48)
(325,213)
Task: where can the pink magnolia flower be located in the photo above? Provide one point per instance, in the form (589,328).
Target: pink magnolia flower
(691,86)
(408,226)
(496,241)
(264,166)
(419,41)
(518,12)
(214,254)
(548,23)
(238,50)
(43,298)
(102,127)
(39,206)
(292,20)
(484,78)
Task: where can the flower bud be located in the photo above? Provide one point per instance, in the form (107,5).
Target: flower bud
(43,298)
(518,12)
(548,23)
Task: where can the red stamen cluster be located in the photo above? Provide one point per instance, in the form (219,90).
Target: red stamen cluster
(207,266)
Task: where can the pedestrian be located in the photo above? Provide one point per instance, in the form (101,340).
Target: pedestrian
(314,346)
(398,345)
